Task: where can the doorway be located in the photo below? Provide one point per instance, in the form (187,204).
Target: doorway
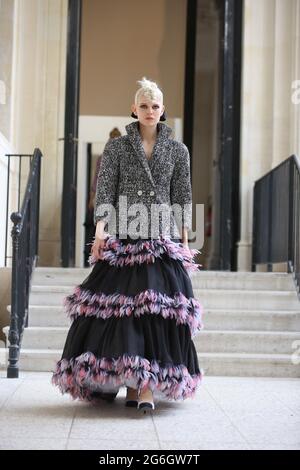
(213,120)
(215,160)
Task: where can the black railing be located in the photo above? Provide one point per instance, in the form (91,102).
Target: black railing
(276,218)
(24,256)
(19,169)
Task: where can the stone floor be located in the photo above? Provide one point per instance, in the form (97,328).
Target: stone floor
(227,413)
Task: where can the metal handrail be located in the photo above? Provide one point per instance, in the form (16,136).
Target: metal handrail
(276,218)
(24,257)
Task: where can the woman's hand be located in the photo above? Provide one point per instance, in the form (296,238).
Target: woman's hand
(184,238)
(97,247)
(185,241)
(186,245)
(99,240)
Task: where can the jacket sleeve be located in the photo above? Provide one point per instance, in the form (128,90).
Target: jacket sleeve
(107,182)
(181,189)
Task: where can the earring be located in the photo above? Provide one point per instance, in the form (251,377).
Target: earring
(163,117)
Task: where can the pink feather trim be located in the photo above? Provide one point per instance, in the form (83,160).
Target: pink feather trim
(117,253)
(81,376)
(183,310)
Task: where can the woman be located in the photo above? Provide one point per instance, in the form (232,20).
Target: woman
(134,316)
(112,135)
(89,219)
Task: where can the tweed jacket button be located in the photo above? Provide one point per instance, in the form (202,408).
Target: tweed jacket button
(140,192)
(151,193)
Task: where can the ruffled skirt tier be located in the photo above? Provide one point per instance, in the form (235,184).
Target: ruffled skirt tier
(133,320)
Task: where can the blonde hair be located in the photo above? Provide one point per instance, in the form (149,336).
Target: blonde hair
(149,89)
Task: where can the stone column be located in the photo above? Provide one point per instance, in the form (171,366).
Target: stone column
(285,24)
(269,121)
(38,99)
(295,106)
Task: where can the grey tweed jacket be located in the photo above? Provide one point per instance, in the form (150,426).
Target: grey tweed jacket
(163,179)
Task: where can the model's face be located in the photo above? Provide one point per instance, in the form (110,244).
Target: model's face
(148,111)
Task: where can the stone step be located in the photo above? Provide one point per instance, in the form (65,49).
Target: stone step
(263,320)
(39,359)
(213,319)
(46,315)
(213,364)
(210,298)
(49,337)
(236,282)
(56,270)
(3,358)
(251,321)
(205,341)
(247,299)
(201,280)
(259,342)
(59,276)
(248,365)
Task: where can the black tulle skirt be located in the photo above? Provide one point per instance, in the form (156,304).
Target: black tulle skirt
(133,320)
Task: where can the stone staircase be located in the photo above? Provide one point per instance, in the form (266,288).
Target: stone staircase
(251,322)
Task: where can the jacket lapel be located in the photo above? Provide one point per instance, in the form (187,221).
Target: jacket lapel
(132,130)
